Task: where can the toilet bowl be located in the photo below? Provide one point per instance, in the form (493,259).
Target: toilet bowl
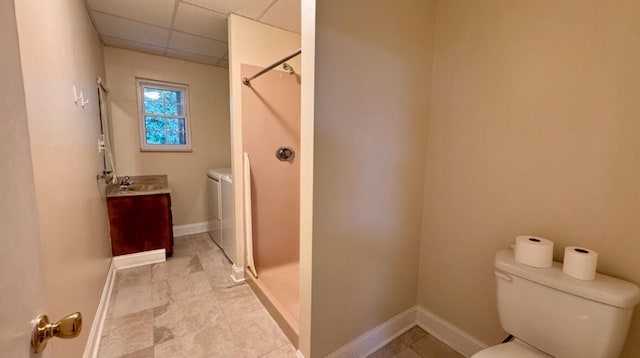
(513,349)
(551,314)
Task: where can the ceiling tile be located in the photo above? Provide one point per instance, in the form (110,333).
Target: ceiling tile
(284,14)
(197,45)
(248,8)
(200,21)
(158,12)
(118,27)
(199,31)
(129,45)
(192,57)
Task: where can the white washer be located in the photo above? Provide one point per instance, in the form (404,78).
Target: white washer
(214,201)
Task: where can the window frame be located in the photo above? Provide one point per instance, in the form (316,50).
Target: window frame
(141,83)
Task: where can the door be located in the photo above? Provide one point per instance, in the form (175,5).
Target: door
(21,280)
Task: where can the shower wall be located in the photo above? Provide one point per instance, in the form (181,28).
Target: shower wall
(255,43)
(271,119)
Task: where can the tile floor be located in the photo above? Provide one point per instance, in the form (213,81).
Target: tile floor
(188,307)
(415,343)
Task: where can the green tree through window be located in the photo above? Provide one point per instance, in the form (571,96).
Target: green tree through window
(164,119)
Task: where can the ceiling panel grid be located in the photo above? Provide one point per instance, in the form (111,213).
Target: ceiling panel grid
(192,30)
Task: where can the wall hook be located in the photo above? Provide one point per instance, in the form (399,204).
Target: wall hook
(76,98)
(79,97)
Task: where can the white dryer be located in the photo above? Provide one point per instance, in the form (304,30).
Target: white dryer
(214,201)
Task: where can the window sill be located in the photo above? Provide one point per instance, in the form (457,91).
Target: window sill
(166,149)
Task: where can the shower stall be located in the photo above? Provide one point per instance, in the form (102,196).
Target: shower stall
(271,143)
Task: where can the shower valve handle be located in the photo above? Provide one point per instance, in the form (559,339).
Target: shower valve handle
(285,154)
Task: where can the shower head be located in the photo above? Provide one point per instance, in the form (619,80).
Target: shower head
(287,67)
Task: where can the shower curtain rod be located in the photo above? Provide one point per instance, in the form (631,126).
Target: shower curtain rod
(247,81)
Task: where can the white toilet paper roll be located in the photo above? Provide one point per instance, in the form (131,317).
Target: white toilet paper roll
(580,263)
(534,251)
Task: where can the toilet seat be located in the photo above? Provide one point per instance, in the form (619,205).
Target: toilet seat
(512,349)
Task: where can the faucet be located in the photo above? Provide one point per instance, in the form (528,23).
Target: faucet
(105,175)
(126,182)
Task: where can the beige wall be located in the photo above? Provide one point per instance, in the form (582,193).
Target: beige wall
(307,62)
(372,89)
(257,44)
(533,130)
(209,113)
(59,48)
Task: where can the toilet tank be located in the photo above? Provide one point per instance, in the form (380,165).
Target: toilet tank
(560,315)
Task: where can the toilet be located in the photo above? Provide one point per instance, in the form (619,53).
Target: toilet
(551,314)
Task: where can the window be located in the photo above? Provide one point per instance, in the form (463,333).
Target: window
(164,116)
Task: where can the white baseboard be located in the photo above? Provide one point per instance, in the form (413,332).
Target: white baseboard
(196,228)
(445,331)
(299,354)
(139,259)
(377,337)
(95,335)
(237,273)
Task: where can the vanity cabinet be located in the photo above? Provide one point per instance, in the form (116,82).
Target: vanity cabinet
(140,223)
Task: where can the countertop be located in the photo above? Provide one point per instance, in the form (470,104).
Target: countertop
(140,185)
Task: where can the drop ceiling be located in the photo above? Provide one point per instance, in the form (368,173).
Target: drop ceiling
(192,30)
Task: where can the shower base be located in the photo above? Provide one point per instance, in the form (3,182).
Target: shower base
(278,290)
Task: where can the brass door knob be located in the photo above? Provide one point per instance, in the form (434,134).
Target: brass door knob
(68,327)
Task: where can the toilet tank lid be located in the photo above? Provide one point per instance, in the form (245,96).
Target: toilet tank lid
(603,288)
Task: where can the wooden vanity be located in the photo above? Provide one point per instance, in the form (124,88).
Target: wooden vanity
(140,215)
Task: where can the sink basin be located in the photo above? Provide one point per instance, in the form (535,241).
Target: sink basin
(141,187)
